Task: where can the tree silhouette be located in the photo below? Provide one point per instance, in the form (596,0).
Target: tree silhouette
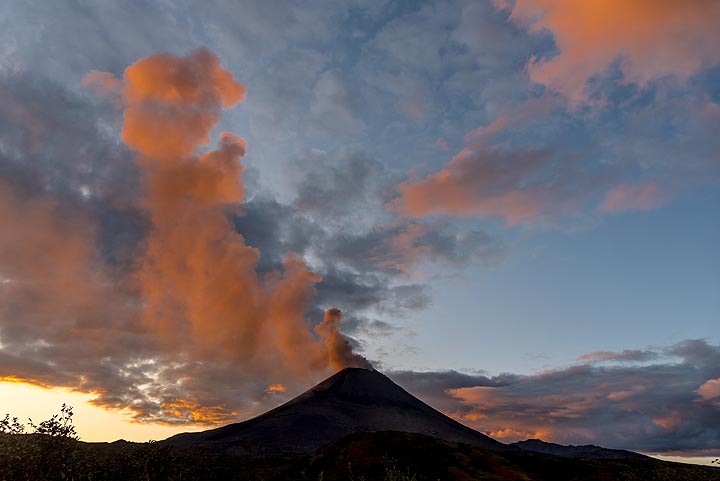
(59,425)
(10,425)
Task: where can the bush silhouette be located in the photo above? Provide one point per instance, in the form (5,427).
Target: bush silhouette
(59,425)
(10,425)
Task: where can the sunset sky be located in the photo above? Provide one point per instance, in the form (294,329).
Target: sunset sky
(509,207)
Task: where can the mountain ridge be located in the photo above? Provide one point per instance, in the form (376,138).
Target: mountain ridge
(570,451)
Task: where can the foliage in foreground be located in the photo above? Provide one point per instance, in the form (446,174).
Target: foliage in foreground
(379,456)
(59,425)
(52,452)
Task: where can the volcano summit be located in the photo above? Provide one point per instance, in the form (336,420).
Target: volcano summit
(351,401)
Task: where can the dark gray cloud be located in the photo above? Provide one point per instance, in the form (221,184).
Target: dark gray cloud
(667,404)
(334,107)
(345,185)
(56,140)
(349,281)
(432,386)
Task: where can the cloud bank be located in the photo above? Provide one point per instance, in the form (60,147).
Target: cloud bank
(657,400)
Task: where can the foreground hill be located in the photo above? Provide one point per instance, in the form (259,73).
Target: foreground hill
(365,456)
(393,455)
(353,400)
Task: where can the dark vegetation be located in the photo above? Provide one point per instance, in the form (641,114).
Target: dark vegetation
(52,452)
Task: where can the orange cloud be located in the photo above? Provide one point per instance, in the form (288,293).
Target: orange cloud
(198,277)
(669,422)
(626,394)
(275,389)
(512,435)
(338,347)
(467,417)
(518,186)
(551,415)
(495,413)
(192,411)
(710,390)
(650,38)
(52,282)
(405,249)
(627,197)
(490,178)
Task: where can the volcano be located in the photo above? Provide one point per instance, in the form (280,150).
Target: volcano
(354,400)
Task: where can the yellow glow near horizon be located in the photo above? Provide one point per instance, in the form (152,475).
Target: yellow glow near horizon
(702,460)
(93,424)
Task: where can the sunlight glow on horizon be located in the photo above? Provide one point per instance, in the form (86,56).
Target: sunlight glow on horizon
(701,460)
(93,424)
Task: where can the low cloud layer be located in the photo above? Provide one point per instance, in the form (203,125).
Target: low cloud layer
(658,400)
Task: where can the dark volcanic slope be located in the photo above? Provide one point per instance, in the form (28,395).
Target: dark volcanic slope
(351,401)
(586,451)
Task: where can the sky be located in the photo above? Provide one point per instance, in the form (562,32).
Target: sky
(509,207)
